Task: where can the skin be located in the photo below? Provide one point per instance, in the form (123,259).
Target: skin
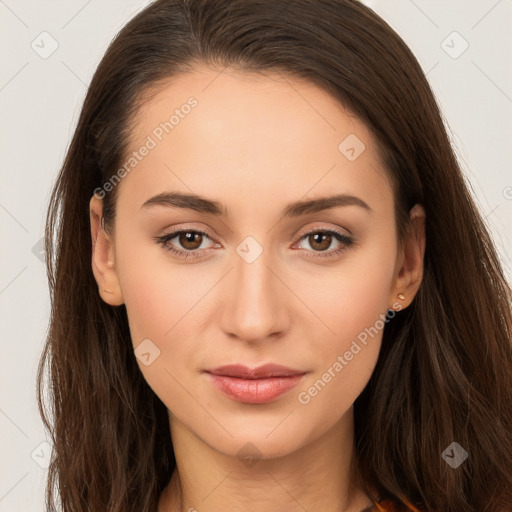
(256,143)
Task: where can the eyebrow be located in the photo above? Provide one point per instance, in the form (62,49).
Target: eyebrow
(295,209)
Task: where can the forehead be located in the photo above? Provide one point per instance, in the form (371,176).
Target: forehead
(228,133)
(295,106)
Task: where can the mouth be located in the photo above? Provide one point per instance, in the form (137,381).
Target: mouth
(254,385)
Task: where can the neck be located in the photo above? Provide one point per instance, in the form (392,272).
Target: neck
(318,476)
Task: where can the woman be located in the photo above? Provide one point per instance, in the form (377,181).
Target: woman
(271,288)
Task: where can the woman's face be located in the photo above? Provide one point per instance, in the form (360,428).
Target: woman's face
(255,281)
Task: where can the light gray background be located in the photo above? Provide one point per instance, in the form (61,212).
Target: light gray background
(40,99)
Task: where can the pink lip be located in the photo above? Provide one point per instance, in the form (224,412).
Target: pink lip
(254,386)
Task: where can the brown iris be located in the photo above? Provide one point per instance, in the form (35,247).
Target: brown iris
(189,239)
(319,240)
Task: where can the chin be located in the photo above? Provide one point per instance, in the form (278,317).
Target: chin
(252,442)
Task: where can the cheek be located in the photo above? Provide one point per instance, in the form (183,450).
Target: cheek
(157,293)
(155,303)
(164,302)
(353,296)
(354,310)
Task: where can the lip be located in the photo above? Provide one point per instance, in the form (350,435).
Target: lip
(261,372)
(254,385)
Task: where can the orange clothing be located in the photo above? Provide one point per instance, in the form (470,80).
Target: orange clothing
(390,506)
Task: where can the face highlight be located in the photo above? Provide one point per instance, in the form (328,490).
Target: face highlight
(259,230)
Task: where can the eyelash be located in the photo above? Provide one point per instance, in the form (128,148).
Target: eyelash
(345,240)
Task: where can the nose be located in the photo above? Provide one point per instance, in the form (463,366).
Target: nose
(255,307)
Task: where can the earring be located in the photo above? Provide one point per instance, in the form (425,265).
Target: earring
(401,296)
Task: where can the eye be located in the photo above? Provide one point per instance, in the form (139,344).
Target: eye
(190,239)
(321,239)
(191,242)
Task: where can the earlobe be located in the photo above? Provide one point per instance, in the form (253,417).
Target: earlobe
(103,257)
(410,272)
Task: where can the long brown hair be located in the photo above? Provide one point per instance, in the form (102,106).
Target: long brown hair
(444,373)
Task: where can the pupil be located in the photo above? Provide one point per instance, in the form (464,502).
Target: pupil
(321,237)
(189,239)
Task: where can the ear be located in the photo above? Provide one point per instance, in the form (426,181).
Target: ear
(103,257)
(409,270)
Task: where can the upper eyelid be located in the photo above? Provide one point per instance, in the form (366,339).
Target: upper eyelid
(307,231)
(301,234)
(187,229)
